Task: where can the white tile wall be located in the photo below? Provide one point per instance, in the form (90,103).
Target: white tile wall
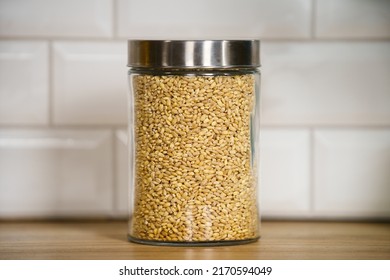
(284,180)
(325,101)
(24,81)
(326,83)
(214,19)
(56,18)
(55,173)
(353,19)
(90,83)
(352,172)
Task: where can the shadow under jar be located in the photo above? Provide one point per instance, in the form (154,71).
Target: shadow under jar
(193,138)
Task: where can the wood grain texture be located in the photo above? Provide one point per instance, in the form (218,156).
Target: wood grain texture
(280,240)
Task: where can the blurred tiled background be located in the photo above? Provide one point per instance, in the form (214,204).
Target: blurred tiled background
(325,142)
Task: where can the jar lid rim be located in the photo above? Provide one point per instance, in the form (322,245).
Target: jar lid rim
(194,53)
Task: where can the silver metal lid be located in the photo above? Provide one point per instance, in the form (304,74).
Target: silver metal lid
(194,53)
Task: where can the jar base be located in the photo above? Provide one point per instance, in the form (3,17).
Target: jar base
(191,244)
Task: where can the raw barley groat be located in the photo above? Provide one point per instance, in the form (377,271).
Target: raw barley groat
(194,173)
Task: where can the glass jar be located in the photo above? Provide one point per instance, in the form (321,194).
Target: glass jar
(193,138)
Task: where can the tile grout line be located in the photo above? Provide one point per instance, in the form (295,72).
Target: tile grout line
(114,181)
(50,84)
(62,126)
(333,126)
(114,19)
(313,22)
(116,126)
(311,171)
(117,38)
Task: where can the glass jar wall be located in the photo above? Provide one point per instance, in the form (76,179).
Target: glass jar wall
(193,135)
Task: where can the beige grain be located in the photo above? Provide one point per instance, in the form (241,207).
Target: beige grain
(194,179)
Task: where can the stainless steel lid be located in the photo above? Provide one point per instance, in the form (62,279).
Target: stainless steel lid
(194,53)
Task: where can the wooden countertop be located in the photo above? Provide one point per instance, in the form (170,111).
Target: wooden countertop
(280,240)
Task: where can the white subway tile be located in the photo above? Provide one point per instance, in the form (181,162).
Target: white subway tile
(90,83)
(353,19)
(217,19)
(57,18)
(284,173)
(326,83)
(352,173)
(23,82)
(122,174)
(55,173)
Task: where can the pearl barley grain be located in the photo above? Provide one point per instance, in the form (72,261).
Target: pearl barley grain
(193,133)
(194,179)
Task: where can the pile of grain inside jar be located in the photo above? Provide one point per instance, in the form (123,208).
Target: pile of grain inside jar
(193,159)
